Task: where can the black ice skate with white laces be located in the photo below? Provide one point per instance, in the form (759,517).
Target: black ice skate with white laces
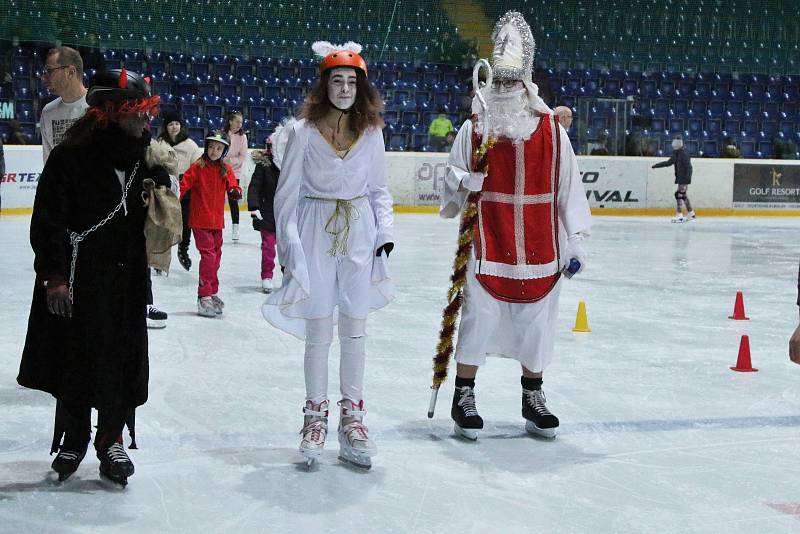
(539,420)
(315,429)
(67,461)
(465,414)
(115,465)
(355,447)
(155,317)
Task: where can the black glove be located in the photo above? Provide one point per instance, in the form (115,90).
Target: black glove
(58,300)
(235,194)
(386,247)
(160,176)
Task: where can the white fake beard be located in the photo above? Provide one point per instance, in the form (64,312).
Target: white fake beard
(509,114)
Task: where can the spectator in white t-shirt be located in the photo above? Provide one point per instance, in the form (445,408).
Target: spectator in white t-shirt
(63,75)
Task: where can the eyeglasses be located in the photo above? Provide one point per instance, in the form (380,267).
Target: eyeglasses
(48,71)
(508,84)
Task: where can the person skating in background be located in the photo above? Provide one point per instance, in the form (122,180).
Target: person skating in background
(334,225)
(683,177)
(87,335)
(794,341)
(211,180)
(62,74)
(174,134)
(236,156)
(260,198)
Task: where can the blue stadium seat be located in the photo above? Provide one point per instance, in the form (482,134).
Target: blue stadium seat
(397,142)
(750,127)
(765,149)
(747,147)
(278,113)
(788,128)
(711,148)
(695,126)
(258,113)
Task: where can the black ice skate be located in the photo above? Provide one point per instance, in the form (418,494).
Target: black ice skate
(465,414)
(156,318)
(115,465)
(67,462)
(183,257)
(539,419)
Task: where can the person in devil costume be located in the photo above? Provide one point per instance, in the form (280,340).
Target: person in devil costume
(87,336)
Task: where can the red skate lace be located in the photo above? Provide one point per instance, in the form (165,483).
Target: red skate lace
(316,431)
(359,430)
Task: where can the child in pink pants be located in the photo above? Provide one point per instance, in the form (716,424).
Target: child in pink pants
(211,181)
(260,197)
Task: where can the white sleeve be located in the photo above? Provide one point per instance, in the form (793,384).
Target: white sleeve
(572,204)
(287,194)
(459,168)
(46,129)
(379,196)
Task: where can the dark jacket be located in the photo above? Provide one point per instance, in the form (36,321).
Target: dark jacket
(98,357)
(683,166)
(261,193)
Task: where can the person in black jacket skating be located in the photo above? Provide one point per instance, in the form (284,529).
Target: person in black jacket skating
(260,196)
(683,177)
(87,338)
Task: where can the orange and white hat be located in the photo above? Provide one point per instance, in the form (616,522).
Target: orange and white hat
(345,55)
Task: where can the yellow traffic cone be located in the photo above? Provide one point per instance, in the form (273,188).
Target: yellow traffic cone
(581,322)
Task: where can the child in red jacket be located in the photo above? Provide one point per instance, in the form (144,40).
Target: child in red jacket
(211,180)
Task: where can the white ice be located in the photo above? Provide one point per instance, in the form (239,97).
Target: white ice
(657,434)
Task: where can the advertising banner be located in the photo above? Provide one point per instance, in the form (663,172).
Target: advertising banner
(614,183)
(767,186)
(23,167)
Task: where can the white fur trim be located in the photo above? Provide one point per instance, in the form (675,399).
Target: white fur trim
(352,46)
(325,48)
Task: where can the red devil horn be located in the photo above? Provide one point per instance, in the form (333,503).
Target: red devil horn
(123,79)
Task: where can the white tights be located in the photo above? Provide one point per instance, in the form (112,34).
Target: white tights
(352,339)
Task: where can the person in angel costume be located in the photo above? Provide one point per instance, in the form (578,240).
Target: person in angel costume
(532,216)
(334,221)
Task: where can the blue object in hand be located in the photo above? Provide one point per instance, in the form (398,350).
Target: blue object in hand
(573,267)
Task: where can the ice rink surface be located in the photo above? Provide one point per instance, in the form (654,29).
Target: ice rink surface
(657,434)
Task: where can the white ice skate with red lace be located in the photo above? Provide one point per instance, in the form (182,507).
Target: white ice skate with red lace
(315,429)
(355,447)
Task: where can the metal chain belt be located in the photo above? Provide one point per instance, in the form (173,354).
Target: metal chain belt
(75,238)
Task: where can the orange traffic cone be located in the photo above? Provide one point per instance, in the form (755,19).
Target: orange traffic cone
(738,309)
(581,322)
(743,364)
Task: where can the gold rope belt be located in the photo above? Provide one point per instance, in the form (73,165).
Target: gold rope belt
(338,224)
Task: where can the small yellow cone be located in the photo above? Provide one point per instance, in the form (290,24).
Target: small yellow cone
(581,322)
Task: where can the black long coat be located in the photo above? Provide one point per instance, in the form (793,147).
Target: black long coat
(99,356)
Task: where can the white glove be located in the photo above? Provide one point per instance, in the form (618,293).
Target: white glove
(256,214)
(474,182)
(575,250)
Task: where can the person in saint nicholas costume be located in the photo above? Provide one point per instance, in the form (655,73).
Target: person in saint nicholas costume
(531,218)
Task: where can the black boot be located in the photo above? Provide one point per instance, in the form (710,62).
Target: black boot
(73,424)
(183,257)
(539,419)
(115,464)
(68,460)
(464,412)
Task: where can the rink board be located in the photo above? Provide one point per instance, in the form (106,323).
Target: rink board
(614,185)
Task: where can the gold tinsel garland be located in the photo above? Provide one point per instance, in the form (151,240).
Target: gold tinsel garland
(455,295)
